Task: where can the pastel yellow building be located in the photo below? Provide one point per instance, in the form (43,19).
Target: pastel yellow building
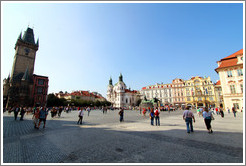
(199,92)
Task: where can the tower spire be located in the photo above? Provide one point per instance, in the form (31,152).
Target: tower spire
(121,77)
(110,81)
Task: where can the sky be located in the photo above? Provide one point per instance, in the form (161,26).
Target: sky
(82,45)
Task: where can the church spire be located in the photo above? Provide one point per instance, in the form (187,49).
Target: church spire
(110,81)
(121,77)
(26,75)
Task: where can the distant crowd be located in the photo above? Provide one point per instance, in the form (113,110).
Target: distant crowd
(40,114)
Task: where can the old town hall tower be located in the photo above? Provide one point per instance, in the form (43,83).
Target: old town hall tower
(20,87)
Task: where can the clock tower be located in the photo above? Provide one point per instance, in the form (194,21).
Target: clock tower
(25,54)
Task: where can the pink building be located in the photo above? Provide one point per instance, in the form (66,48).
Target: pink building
(178,94)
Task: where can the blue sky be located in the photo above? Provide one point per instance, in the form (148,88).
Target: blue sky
(81,45)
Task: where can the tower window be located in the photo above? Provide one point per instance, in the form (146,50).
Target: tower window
(40,82)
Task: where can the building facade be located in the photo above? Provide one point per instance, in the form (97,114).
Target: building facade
(195,92)
(218,94)
(19,87)
(178,93)
(120,96)
(199,92)
(230,70)
(163,92)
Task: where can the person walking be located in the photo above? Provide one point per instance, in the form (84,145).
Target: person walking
(157,116)
(35,118)
(188,116)
(234,111)
(121,113)
(22,113)
(152,116)
(16,111)
(221,112)
(42,116)
(81,114)
(228,110)
(88,110)
(207,115)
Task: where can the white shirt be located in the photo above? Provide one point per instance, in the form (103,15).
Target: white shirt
(81,112)
(207,114)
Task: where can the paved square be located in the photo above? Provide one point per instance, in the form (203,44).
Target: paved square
(103,139)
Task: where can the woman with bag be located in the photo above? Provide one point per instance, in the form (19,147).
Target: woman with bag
(207,115)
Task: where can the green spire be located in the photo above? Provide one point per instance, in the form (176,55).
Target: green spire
(121,77)
(110,81)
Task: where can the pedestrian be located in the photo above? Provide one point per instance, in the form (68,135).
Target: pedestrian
(152,116)
(207,115)
(35,118)
(198,112)
(60,111)
(22,113)
(16,111)
(157,116)
(121,113)
(217,110)
(242,109)
(144,112)
(42,116)
(234,111)
(221,111)
(81,114)
(228,110)
(89,110)
(140,110)
(188,116)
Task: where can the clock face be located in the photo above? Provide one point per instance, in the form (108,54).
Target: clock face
(27,50)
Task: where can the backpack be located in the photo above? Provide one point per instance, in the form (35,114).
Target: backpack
(157,113)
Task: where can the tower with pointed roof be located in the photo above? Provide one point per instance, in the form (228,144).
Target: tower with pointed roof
(25,54)
(23,88)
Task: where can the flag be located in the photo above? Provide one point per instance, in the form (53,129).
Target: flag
(206,91)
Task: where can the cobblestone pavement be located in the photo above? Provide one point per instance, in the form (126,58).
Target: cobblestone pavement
(103,139)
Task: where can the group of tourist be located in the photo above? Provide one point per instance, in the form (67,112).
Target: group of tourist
(188,116)
(40,114)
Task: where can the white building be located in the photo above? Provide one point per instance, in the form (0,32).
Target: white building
(120,96)
(230,70)
(162,92)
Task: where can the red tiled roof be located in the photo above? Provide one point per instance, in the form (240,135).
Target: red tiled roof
(234,54)
(218,83)
(230,60)
(129,91)
(144,88)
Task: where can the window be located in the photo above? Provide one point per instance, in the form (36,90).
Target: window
(188,93)
(188,99)
(229,73)
(40,90)
(241,58)
(211,98)
(199,99)
(233,90)
(40,82)
(240,72)
(241,86)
